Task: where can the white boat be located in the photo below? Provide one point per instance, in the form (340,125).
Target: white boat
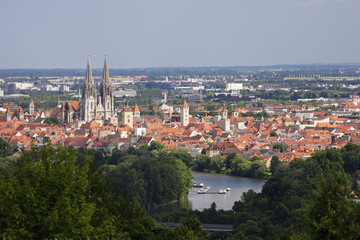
(228,189)
(200,185)
(222,191)
(201,191)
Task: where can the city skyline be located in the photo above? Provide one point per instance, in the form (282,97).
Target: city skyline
(161,33)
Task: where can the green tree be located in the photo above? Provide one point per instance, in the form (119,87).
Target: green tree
(46,195)
(274,164)
(155,145)
(217,163)
(281,147)
(202,162)
(329,214)
(51,120)
(273,134)
(5,148)
(192,229)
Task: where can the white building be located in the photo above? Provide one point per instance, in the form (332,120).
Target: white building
(20,86)
(49,88)
(125,93)
(166,108)
(234,86)
(184,114)
(140,132)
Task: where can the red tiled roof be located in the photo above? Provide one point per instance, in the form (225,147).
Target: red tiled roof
(136,108)
(74,105)
(185,105)
(127,109)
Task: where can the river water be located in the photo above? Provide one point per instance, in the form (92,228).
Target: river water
(216,182)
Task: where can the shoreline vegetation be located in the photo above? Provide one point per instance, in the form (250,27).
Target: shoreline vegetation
(232,165)
(65,193)
(305,199)
(61,193)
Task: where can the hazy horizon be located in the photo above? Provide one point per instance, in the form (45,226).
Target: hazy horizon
(243,66)
(161,33)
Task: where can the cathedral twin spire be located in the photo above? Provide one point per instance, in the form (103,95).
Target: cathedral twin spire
(106,94)
(90,107)
(89,88)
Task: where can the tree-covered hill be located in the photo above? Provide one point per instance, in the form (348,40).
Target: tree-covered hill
(307,199)
(58,193)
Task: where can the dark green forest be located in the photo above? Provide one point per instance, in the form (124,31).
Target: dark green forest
(80,193)
(306,199)
(231,165)
(57,193)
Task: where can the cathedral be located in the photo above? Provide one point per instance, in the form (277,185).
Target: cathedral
(91,105)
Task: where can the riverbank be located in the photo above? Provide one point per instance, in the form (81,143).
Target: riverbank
(232,165)
(195,201)
(229,173)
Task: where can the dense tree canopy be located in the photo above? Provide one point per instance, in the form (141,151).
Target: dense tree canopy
(232,165)
(154,175)
(5,148)
(45,195)
(60,193)
(306,199)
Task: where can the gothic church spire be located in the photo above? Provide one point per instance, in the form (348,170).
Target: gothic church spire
(89,88)
(106,72)
(106,93)
(89,96)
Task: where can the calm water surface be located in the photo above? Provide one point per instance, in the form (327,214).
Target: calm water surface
(216,182)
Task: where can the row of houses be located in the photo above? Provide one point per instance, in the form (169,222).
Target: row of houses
(248,137)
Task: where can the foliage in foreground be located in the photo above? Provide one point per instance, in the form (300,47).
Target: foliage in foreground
(45,194)
(152,174)
(307,199)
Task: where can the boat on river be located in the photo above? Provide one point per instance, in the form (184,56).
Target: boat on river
(198,185)
(203,190)
(222,191)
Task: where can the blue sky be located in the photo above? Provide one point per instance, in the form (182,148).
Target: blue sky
(157,33)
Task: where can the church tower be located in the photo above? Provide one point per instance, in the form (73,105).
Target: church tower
(88,99)
(8,115)
(127,116)
(31,107)
(106,93)
(136,111)
(184,114)
(224,113)
(21,115)
(225,122)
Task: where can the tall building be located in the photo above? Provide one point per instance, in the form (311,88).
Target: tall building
(184,114)
(225,124)
(21,115)
(136,111)
(224,113)
(91,105)
(31,107)
(106,93)
(89,98)
(8,115)
(127,116)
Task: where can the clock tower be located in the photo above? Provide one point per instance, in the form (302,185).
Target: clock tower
(127,116)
